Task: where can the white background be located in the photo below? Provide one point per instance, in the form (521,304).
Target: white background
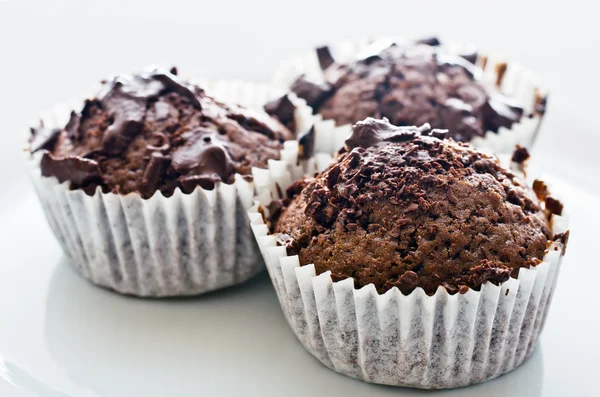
(51,51)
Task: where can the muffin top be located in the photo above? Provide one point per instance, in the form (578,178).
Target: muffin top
(151,131)
(402,208)
(410,84)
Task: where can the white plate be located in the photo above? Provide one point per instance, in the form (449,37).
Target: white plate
(60,336)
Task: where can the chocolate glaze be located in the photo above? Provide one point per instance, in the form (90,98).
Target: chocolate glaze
(152,131)
(78,170)
(410,84)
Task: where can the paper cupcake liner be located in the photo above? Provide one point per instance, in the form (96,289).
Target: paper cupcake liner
(186,244)
(517,82)
(415,340)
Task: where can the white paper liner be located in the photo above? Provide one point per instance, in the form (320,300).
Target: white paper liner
(186,244)
(421,341)
(518,83)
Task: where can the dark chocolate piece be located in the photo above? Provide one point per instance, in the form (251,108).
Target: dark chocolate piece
(500,111)
(313,93)
(470,54)
(430,41)
(520,155)
(374,51)
(282,108)
(554,206)
(325,57)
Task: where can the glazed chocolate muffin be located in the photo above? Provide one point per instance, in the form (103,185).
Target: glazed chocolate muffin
(152,131)
(410,84)
(403,208)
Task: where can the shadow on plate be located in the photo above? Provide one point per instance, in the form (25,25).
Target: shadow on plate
(224,343)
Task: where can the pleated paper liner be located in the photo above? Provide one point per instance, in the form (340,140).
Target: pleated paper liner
(186,244)
(415,340)
(515,81)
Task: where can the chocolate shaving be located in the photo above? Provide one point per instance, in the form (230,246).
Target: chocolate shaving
(488,271)
(395,232)
(403,222)
(451,197)
(406,283)
(332,176)
(411,208)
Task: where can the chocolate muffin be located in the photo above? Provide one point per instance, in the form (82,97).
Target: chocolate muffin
(403,208)
(412,84)
(147,185)
(153,132)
